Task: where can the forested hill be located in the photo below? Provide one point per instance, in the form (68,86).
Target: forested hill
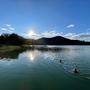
(58,40)
(11,39)
(14,39)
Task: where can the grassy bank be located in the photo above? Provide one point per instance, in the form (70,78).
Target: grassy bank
(5,48)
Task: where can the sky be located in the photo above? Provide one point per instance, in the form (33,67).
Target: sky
(46,18)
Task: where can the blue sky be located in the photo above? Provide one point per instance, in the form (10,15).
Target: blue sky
(35,18)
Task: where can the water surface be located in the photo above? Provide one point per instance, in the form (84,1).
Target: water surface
(46,69)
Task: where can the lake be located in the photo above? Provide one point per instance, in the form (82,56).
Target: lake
(46,69)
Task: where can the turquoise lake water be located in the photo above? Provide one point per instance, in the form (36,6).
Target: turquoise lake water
(51,69)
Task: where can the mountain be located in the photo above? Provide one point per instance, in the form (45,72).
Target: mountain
(11,39)
(14,39)
(58,40)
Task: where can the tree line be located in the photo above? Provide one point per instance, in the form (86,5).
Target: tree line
(11,39)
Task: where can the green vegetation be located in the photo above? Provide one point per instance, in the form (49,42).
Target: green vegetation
(5,48)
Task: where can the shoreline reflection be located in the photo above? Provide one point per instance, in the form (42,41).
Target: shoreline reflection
(15,53)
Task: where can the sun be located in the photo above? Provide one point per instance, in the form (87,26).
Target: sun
(31,33)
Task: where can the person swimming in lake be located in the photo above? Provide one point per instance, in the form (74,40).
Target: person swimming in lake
(76,70)
(60,61)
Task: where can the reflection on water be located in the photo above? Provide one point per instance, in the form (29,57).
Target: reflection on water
(15,53)
(45,68)
(30,55)
(11,54)
(70,57)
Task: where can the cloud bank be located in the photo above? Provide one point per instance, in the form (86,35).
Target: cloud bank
(7,28)
(73,36)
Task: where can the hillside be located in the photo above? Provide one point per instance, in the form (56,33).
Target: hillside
(58,40)
(14,39)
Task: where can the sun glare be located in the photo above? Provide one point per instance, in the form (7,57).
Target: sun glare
(31,33)
(31,56)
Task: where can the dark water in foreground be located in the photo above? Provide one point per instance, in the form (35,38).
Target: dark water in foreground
(42,69)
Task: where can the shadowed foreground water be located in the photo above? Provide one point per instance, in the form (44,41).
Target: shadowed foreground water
(41,69)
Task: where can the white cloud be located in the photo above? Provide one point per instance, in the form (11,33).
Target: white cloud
(11,28)
(70,35)
(51,34)
(35,35)
(7,28)
(80,36)
(4,29)
(31,34)
(8,25)
(70,26)
(73,36)
(83,35)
